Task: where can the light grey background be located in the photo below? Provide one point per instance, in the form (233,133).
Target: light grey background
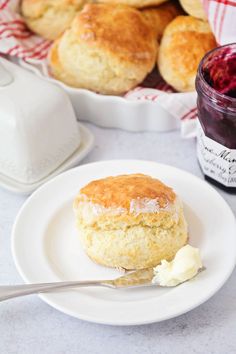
(29,326)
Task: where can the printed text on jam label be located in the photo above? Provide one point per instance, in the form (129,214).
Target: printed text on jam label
(217,161)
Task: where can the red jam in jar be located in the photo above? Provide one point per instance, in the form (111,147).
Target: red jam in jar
(216,102)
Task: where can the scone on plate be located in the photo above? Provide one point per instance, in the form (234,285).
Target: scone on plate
(185,41)
(158,17)
(130,221)
(194,8)
(108,49)
(134,3)
(49,18)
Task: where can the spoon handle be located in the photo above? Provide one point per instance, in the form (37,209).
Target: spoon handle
(12,291)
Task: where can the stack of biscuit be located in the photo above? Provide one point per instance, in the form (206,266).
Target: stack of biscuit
(109,47)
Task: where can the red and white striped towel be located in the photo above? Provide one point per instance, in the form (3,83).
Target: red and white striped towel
(17,41)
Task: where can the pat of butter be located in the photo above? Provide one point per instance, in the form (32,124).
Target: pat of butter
(183,267)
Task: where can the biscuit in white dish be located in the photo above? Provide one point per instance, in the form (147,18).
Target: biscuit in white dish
(108,49)
(49,18)
(194,8)
(185,41)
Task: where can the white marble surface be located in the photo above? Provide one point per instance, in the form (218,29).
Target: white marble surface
(28,325)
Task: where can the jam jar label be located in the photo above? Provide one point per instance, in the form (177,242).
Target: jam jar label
(216,160)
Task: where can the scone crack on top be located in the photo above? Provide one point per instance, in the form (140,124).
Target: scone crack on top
(137,206)
(132,194)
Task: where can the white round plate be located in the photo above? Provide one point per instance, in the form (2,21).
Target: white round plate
(46,248)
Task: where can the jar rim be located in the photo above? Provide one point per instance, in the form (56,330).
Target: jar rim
(212,94)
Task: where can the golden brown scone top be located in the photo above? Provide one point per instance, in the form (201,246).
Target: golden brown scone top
(134,3)
(189,24)
(158,17)
(115,28)
(36,8)
(185,41)
(108,49)
(119,191)
(50,18)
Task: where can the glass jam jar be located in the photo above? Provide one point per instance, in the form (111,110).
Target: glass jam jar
(216,103)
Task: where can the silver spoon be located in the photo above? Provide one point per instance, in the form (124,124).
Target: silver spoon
(142,277)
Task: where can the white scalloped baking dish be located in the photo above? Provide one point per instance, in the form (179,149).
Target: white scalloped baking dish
(118,112)
(115,111)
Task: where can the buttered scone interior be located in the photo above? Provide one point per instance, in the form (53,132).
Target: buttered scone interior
(130,221)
